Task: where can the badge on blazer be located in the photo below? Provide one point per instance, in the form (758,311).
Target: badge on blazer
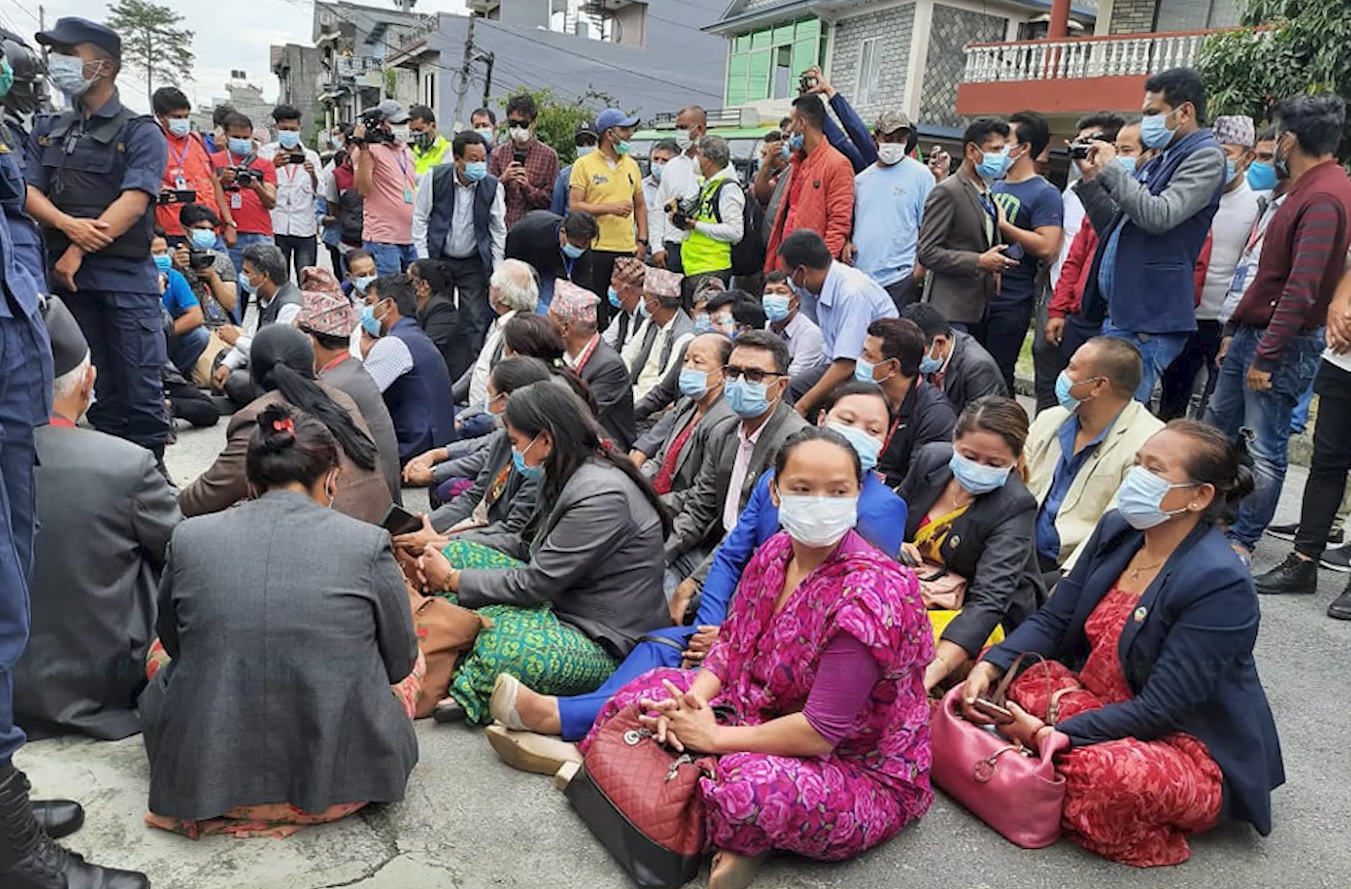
(1140,614)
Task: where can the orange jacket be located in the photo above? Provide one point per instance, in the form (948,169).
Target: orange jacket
(824,202)
(188,159)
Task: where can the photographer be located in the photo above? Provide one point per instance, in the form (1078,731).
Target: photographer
(386,178)
(203,261)
(189,176)
(716,220)
(250,185)
(294,223)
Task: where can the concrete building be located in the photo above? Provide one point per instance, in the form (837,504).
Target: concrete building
(244,97)
(353,43)
(303,78)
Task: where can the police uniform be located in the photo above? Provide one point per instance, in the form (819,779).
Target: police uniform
(83,165)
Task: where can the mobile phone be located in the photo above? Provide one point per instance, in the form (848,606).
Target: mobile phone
(297,159)
(1001,715)
(805,83)
(520,156)
(185,195)
(398,521)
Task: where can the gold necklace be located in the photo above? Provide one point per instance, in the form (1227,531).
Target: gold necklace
(1135,573)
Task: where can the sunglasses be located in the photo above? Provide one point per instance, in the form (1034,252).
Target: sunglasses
(752,375)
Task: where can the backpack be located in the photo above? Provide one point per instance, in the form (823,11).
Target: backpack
(351,216)
(748,254)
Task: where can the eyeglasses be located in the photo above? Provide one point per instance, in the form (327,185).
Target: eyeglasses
(752,375)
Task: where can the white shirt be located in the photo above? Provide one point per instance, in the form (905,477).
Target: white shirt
(462,223)
(741,467)
(478,381)
(1229,232)
(388,360)
(806,347)
(680,178)
(239,356)
(731,207)
(611,334)
(294,214)
(1071,223)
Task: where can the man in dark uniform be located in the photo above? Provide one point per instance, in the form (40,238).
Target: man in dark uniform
(92,176)
(25,95)
(28,857)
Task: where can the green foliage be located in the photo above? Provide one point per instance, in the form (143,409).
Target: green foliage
(152,42)
(391,83)
(1286,47)
(558,118)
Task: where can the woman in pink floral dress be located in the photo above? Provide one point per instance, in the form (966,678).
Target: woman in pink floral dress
(821,663)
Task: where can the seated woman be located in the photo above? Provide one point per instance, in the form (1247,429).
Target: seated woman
(1150,670)
(571,594)
(971,514)
(859,412)
(249,602)
(826,752)
(281,363)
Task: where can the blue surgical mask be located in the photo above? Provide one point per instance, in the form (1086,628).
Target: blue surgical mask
(693,382)
(1230,171)
(785,150)
(572,251)
(178,127)
(288,138)
(369,322)
(929,364)
(867,447)
(977,478)
(1140,498)
(1154,132)
(702,323)
(362,283)
(1261,176)
(244,282)
(163,261)
(202,238)
(747,400)
(528,472)
(67,72)
(656,172)
(775,306)
(795,142)
(613,296)
(6,76)
(1128,163)
(487,134)
(643,310)
(993,165)
(584,150)
(476,171)
(863,371)
(239,147)
(1062,393)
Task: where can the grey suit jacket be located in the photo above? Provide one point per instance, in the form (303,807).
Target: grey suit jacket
(608,379)
(700,521)
(105,517)
(681,325)
(507,515)
(350,376)
(695,453)
(951,239)
(287,623)
(972,372)
(595,556)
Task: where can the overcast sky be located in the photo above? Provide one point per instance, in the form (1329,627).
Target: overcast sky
(229,36)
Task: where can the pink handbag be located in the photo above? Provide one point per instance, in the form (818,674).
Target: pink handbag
(940,588)
(1002,783)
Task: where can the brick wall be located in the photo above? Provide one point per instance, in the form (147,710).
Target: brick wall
(894,26)
(950,30)
(1132,16)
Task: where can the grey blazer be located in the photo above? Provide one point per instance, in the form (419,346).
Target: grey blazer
(951,239)
(350,376)
(287,623)
(696,451)
(507,515)
(681,325)
(700,521)
(595,556)
(608,378)
(105,517)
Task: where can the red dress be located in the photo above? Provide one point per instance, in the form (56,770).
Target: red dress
(1128,800)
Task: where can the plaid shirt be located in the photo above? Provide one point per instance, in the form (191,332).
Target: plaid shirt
(541,167)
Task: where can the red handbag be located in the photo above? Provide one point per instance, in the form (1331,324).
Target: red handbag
(642,801)
(1003,783)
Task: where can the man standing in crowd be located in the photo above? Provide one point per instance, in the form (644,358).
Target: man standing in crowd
(960,245)
(719,221)
(524,165)
(889,201)
(250,188)
(428,146)
(680,180)
(573,314)
(484,122)
(820,193)
(890,357)
(93,196)
(663,335)
(1151,226)
(584,142)
(1102,125)
(189,168)
(1229,232)
(386,177)
(1278,334)
(1030,223)
(608,184)
(657,159)
(557,247)
(953,360)
(294,224)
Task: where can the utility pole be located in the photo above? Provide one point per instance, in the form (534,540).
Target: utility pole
(462,90)
(488,78)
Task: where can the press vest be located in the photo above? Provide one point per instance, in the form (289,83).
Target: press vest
(700,253)
(443,214)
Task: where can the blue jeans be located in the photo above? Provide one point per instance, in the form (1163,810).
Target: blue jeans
(390,259)
(578,712)
(1157,351)
(242,240)
(1265,416)
(1300,421)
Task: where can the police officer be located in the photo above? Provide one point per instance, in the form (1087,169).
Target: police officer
(23,92)
(93,173)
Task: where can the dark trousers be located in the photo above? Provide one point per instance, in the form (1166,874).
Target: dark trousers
(903,292)
(1049,359)
(1331,460)
(298,252)
(1003,333)
(126,342)
(474,316)
(25,402)
(602,268)
(335,259)
(1179,380)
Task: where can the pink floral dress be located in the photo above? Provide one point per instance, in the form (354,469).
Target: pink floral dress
(874,782)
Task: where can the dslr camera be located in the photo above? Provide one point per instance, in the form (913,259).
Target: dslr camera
(244,177)
(371,120)
(200,259)
(1079,149)
(682,210)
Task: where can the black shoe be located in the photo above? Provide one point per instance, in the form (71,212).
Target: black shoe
(58,817)
(1294,575)
(1340,609)
(449,711)
(1284,532)
(1338,559)
(30,860)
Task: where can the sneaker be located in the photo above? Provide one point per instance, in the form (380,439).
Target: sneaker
(1288,532)
(1340,609)
(1338,559)
(1294,575)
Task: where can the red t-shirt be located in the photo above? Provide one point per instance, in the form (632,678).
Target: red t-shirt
(245,205)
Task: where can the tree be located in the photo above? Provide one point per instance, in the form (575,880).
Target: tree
(557,122)
(1284,47)
(152,42)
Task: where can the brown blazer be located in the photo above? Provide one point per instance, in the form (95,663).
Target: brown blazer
(362,494)
(951,239)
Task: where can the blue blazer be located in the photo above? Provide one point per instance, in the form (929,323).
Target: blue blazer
(881,521)
(1188,657)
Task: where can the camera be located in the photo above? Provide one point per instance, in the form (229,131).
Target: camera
(371,120)
(682,210)
(200,259)
(806,83)
(1079,149)
(244,177)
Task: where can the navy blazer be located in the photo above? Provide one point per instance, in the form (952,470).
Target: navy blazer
(1188,657)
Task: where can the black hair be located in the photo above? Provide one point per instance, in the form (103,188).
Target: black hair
(720,299)
(486,112)
(463,139)
(1267,135)
(435,273)
(358,253)
(1119,362)
(282,359)
(285,112)
(580,225)
(220,113)
(1318,122)
(998,415)
(346,129)
(422,113)
(816,433)
(1180,86)
(302,450)
(667,145)
(1034,129)
(854,387)
(805,247)
(525,104)
(159,232)
(191,214)
(398,288)
(902,340)
(747,310)
(776,277)
(329,341)
(811,109)
(982,128)
(517,372)
(1214,460)
(931,321)
(1101,120)
(577,437)
(167,99)
(534,335)
(766,342)
(236,121)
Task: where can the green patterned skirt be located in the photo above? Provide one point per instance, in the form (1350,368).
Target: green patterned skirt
(531,644)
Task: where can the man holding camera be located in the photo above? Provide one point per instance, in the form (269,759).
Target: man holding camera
(716,219)
(188,178)
(525,166)
(386,178)
(207,267)
(294,224)
(250,185)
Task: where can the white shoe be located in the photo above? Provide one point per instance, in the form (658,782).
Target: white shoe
(566,772)
(530,752)
(502,704)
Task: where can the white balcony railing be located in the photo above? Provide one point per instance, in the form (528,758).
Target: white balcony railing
(1082,57)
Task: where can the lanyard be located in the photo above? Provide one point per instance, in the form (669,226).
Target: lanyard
(183,155)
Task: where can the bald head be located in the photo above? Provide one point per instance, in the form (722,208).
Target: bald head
(715,347)
(694,120)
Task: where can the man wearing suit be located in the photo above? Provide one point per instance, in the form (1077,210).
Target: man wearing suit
(555,247)
(573,313)
(663,335)
(625,295)
(960,246)
(953,360)
(739,450)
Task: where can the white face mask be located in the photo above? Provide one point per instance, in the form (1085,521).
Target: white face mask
(891,153)
(817,521)
(519,134)
(400,132)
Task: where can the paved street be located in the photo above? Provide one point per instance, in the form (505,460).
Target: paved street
(471,822)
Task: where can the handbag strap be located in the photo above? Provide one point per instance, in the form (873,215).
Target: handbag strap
(1001,690)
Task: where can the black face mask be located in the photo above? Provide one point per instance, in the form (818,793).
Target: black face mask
(423,140)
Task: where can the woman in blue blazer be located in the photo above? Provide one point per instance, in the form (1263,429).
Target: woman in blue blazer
(1150,670)
(856,410)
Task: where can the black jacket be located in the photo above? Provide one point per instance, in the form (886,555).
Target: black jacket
(534,239)
(925,417)
(437,320)
(992,545)
(608,377)
(971,373)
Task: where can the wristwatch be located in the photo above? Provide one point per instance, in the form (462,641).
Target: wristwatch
(644,242)
(230,223)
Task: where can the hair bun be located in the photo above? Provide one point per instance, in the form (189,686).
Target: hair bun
(277,427)
(1244,484)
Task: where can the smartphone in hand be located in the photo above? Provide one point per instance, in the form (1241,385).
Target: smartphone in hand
(398,521)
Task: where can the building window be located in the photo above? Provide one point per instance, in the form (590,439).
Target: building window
(429,89)
(869,89)
(1191,15)
(765,64)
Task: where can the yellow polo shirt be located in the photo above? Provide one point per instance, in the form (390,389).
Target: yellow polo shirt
(604,182)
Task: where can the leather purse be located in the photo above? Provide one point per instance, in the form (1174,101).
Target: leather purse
(642,801)
(941,589)
(445,633)
(1008,786)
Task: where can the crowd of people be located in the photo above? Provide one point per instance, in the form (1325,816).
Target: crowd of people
(743,454)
